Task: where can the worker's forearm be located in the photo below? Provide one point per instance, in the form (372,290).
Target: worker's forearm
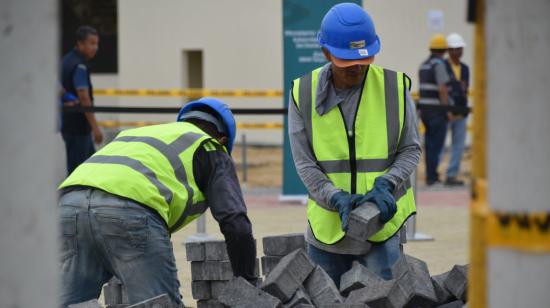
(241,250)
(85,101)
(443,95)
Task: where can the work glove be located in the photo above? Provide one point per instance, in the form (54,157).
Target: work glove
(344,203)
(382,195)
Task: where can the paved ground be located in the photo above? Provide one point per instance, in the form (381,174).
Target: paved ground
(442,213)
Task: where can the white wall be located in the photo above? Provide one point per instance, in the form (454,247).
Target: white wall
(242,46)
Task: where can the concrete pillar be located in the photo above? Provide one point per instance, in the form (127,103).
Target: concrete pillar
(28,228)
(518,47)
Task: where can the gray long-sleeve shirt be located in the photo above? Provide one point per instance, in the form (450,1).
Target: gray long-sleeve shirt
(319,186)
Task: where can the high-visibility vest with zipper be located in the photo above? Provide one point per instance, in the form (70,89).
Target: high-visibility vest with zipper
(152,165)
(352,160)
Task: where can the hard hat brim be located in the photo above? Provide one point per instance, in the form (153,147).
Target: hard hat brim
(353,54)
(347,63)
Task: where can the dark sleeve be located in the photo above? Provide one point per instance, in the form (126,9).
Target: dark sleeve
(216,177)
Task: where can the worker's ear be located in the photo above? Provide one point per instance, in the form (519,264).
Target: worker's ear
(223,140)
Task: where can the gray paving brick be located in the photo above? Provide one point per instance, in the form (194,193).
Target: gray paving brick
(364,222)
(457,281)
(342,305)
(288,275)
(300,297)
(216,287)
(356,278)
(418,284)
(160,301)
(215,250)
(281,245)
(201,289)
(268,263)
(88,304)
(443,295)
(209,303)
(454,304)
(304,306)
(195,251)
(240,293)
(380,294)
(211,270)
(321,288)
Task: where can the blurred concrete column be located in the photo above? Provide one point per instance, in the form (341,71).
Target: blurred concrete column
(28,228)
(518,81)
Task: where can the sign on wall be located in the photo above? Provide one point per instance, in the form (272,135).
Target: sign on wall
(302,53)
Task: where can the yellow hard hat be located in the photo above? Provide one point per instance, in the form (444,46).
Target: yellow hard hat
(438,41)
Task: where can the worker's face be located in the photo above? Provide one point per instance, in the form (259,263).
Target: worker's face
(348,76)
(456,53)
(88,47)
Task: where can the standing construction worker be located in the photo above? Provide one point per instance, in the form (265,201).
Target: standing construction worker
(77,129)
(459,82)
(354,140)
(434,92)
(120,206)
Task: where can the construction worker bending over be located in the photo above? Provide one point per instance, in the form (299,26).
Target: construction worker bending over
(354,140)
(120,206)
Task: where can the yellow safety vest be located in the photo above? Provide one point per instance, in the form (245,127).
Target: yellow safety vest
(353,160)
(152,165)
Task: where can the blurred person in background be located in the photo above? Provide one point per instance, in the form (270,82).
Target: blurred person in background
(354,140)
(77,129)
(434,78)
(459,82)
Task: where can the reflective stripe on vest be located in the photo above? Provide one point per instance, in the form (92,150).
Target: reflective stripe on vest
(352,160)
(428,88)
(153,166)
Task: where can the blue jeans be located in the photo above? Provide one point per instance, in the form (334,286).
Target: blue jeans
(103,235)
(458,137)
(379,259)
(78,148)
(434,140)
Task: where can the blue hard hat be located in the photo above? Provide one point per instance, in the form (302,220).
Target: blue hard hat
(221,109)
(348,33)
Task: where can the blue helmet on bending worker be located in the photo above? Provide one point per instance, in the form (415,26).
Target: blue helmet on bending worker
(220,115)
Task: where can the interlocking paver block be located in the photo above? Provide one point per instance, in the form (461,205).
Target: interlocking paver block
(216,287)
(200,289)
(269,263)
(195,251)
(321,288)
(356,278)
(240,293)
(364,222)
(160,301)
(88,304)
(454,304)
(443,295)
(457,281)
(211,270)
(342,305)
(215,250)
(380,294)
(281,245)
(288,275)
(209,303)
(300,297)
(417,283)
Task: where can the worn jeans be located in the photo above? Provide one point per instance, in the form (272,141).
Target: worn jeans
(379,259)
(458,137)
(434,140)
(103,235)
(78,148)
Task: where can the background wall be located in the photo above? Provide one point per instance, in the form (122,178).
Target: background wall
(241,42)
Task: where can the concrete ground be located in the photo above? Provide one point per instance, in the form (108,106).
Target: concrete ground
(442,213)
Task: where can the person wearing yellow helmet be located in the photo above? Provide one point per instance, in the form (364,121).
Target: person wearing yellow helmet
(433,91)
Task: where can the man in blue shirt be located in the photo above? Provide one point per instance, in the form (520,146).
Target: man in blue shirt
(77,129)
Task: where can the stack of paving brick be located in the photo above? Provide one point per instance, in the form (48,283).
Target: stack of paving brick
(210,271)
(276,247)
(115,294)
(411,286)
